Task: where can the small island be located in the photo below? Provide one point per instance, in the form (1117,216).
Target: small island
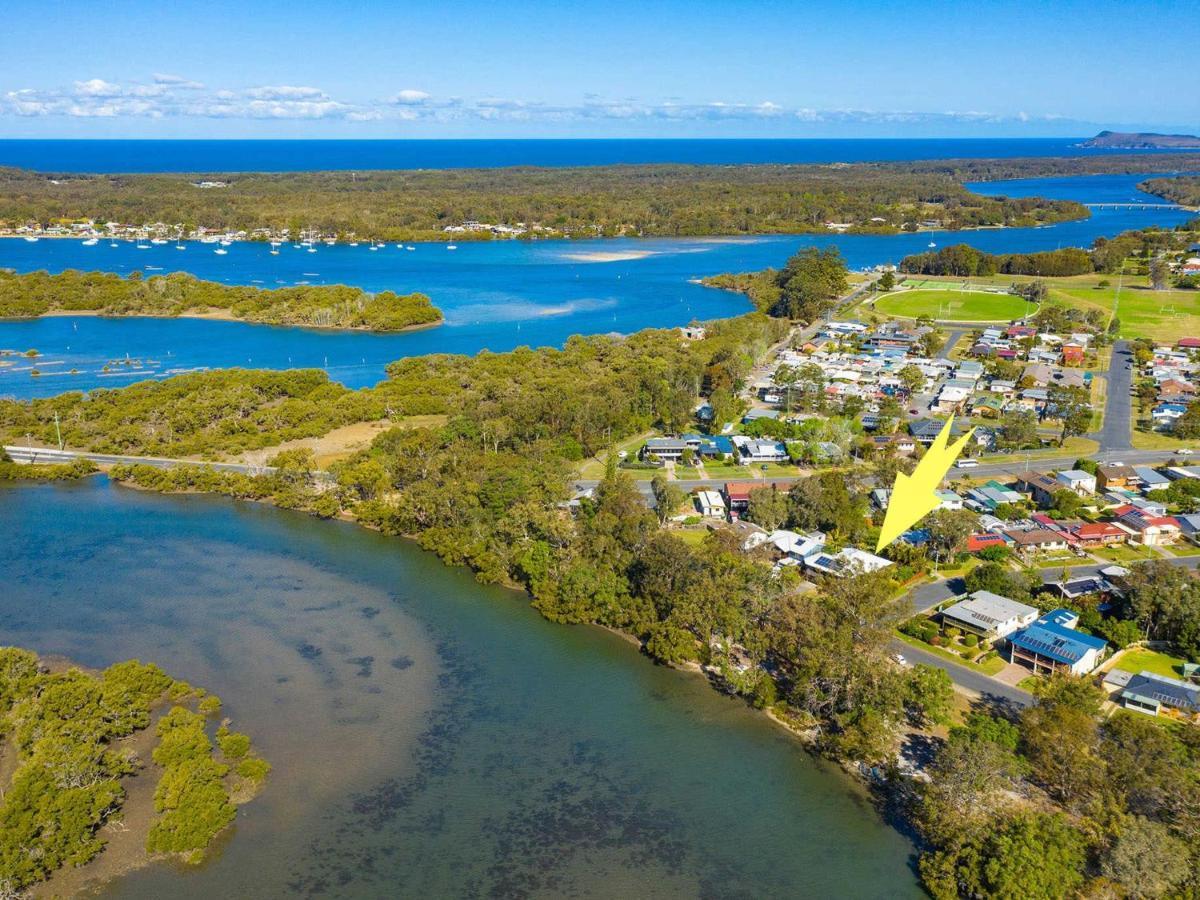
(1141,140)
(179,294)
(123,756)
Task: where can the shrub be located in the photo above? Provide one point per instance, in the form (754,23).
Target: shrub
(968,654)
(971,640)
(952,632)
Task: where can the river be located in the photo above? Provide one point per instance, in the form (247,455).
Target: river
(496,295)
(430,736)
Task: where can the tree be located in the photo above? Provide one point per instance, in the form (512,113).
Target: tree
(809,283)
(1072,407)
(1147,859)
(948,532)
(768,507)
(1060,738)
(667,497)
(886,281)
(1034,856)
(1067,503)
(930,698)
(1018,429)
(912,377)
(1160,274)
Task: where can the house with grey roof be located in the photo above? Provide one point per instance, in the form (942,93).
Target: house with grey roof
(1152,694)
(989,615)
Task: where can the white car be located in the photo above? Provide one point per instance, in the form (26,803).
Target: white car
(899,657)
(1185,452)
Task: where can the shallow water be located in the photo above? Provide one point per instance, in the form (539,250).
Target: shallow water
(497,295)
(431,737)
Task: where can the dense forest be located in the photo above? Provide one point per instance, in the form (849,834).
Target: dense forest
(1184,190)
(67,733)
(607,200)
(1047,166)
(808,286)
(332,306)
(1106,255)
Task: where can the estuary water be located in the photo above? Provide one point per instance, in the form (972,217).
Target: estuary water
(430,737)
(496,295)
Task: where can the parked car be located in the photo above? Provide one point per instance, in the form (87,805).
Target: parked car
(899,657)
(1185,452)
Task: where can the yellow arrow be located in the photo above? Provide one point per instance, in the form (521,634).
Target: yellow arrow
(914,496)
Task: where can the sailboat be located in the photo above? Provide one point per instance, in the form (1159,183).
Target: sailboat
(91,242)
(932,245)
(274,252)
(410,247)
(373,247)
(180,246)
(142,246)
(220,251)
(158,240)
(452,246)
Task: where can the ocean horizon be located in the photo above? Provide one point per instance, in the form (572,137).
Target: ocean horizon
(105,156)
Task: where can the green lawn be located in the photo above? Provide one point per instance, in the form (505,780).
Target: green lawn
(692,536)
(1140,659)
(954,305)
(991,667)
(1123,553)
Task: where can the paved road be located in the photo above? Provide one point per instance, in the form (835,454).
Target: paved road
(993,692)
(1118,407)
(952,338)
(49,457)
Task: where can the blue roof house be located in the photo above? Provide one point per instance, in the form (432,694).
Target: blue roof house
(1052,644)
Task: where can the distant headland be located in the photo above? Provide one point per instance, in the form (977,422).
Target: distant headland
(1141,140)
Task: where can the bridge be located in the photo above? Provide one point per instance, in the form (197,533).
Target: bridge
(1133,206)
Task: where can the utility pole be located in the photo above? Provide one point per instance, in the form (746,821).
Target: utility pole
(58,430)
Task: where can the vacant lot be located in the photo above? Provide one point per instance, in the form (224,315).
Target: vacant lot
(954,305)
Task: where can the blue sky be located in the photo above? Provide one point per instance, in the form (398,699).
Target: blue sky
(645,69)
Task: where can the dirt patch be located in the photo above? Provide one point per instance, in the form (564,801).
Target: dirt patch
(340,443)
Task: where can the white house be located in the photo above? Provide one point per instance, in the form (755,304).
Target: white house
(1076,480)
(711,504)
(989,615)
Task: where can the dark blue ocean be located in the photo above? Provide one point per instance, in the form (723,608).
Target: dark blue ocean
(294,156)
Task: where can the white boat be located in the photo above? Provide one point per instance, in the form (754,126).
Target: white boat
(410,247)
(91,242)
(932,245)
(180,246)
(312,249)
(225,243)
(399,246)
(158,240)
(354,243)
(330,242)
(220,251)
(373,247)
(112,243)
(452,246)
(276,244)
(274,252)
(31,238)
(142,246)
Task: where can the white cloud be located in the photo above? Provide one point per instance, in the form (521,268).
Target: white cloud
(285,92)
(177,82)
(410,97)
(176,96)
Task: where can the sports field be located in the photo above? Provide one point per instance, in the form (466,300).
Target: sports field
(954,305)
(1159,315)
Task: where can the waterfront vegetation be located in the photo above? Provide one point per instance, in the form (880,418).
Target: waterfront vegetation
(667,200)
(71,737)
(177,294)
(1184,189)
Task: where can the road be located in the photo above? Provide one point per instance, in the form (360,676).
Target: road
(1118,407)
(993,692)
(50,457)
